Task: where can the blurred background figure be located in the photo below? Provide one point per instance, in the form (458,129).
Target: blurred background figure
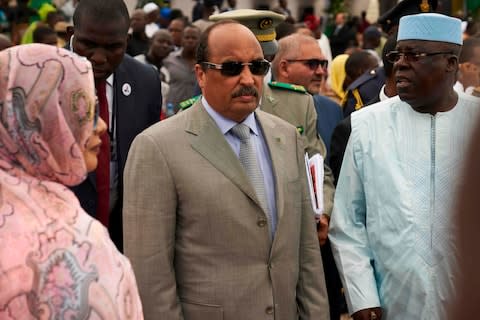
(343,36)
(48,17)
(337,77)
(373,86)
(208,8)
(176,28)
(152,12)
(138,41)
(64,31)
(283,9)
(50,139)
(5,42)
(161,45)
(231,5)
(45,35)
(363,23)
(181,64)
(390,19)
(371,41)
(469,66)
(356,65)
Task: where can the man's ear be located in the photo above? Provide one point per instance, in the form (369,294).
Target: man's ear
(200,74)
(283,70)
(452,64)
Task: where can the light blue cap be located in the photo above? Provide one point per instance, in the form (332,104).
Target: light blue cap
(430,27)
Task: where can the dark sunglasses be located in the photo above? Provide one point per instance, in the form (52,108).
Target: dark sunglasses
(312,64)
(234,68)
(394,56)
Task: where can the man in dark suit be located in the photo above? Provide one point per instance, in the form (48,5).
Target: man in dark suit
(343,36)
(133,96)
(373,86)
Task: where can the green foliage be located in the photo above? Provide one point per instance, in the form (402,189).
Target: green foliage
(336,6)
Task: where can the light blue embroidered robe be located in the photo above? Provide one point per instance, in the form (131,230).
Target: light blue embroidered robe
(392,225)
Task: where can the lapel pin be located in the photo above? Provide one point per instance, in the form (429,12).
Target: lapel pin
(126,89)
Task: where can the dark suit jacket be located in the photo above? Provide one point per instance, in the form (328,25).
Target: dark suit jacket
(339,141)
(338,144)
(368,85)
(342,39)
(134,112)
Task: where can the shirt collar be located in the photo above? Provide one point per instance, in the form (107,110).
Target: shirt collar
(110,80)
(225,124)
(382,96)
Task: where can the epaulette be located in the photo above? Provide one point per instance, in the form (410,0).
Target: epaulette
(367,76)
(287,86)
(188,103)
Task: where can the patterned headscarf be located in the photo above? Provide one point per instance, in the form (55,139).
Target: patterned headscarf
(56,262)
(47,101)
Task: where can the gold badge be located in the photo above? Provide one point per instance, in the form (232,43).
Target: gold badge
(265,23)
(424,6)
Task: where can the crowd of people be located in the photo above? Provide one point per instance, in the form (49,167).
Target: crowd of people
(155,166)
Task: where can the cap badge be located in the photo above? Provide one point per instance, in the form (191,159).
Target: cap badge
(424,6)
(265,23)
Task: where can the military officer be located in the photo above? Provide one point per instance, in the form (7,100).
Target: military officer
(389,20)
(364,89)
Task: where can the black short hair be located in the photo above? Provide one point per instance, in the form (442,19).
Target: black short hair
(102,11)
(284,29)
(357,63)
(387,47)
(468,49)
(176,13)
(202,49)
(41,32)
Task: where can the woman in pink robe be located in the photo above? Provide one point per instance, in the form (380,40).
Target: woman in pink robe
(56,262)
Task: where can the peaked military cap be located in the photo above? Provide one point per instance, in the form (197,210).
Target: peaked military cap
(261,22)
(392,17)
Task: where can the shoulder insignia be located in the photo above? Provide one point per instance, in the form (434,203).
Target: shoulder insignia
(300,130)
(188,103)
(287,86)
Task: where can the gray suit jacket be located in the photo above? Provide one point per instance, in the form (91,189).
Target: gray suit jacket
(196,234)
(298,109)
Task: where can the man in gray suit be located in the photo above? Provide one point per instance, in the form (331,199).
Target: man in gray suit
(211,236)
(291,103)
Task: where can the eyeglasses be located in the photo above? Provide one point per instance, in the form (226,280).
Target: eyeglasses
(96,114)
(312,64)
(394,56)
(234,68)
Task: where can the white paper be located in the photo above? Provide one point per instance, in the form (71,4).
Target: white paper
(315,173)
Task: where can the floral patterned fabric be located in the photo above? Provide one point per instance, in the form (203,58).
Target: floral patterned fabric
(56,262)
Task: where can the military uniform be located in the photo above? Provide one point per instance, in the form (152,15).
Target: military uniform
(389,20)
(363,90)
(293,104)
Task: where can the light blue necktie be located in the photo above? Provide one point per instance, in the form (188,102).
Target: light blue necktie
(248,159)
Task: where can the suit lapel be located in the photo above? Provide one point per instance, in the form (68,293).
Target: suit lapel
(207,140)
(276,146)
